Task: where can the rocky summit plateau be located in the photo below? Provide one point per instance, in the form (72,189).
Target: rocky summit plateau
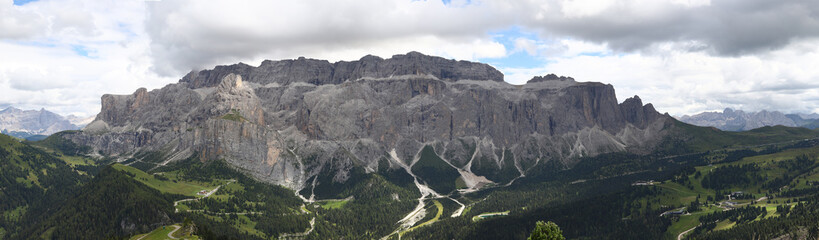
(304,123)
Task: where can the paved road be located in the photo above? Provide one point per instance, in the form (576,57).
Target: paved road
(170,234)
(680,237)
(227,213)
(206,195)
(302,234)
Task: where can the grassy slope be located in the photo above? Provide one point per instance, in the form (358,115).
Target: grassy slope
(488,214)
(676,194)
(700,139)
(161,233)
(688,221)
(173,185)
(241,195)
(780,156)
(332,204)
(225,192)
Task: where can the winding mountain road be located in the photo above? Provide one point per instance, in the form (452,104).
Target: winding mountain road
(301,234)
(170,234)
(682,234)
(206,195)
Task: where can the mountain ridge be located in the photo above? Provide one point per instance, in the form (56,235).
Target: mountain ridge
(319,72)
(738,120)
(27,123)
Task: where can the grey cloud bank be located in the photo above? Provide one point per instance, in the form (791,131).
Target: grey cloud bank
(684,56)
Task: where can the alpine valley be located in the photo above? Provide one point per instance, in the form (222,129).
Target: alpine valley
(408,147)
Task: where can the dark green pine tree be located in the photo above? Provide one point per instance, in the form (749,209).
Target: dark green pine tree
(546,231)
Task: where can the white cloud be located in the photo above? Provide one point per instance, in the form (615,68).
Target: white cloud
(684,56)
(727,28)
(576,47)
(189,35)
(682,82)
(19,22)
(32,79)
(43,70)
(581,8)
(527,45)
(692,3)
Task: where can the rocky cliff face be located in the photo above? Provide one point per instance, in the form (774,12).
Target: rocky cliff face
(286,122)
(33,122)
(738,120)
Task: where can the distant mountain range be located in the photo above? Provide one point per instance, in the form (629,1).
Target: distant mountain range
(738,120)
(36,124)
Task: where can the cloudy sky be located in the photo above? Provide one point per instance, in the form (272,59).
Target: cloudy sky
(684,56)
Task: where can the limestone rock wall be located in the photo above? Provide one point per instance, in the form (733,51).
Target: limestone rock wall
(286,121)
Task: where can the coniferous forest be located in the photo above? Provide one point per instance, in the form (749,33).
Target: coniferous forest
(53,190)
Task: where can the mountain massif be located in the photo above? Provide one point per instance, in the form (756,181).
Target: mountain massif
(27,123)
(305,122)
(409,147)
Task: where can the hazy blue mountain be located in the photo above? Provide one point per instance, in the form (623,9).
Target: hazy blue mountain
(738,120)
(30,123)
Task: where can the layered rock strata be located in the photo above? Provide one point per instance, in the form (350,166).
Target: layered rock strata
(287,121)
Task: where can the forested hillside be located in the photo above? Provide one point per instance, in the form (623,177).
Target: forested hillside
(757,183)
(717,193)
(34,182)
(112,205)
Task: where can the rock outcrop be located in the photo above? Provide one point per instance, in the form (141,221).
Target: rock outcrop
(321,72)
(286,122)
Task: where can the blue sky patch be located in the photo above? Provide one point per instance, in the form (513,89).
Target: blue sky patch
(516,60)
(44,44)
(126,29)
(519,59)
(594,54)
(22,2)
(82,51)
(546,50)
(447,2)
